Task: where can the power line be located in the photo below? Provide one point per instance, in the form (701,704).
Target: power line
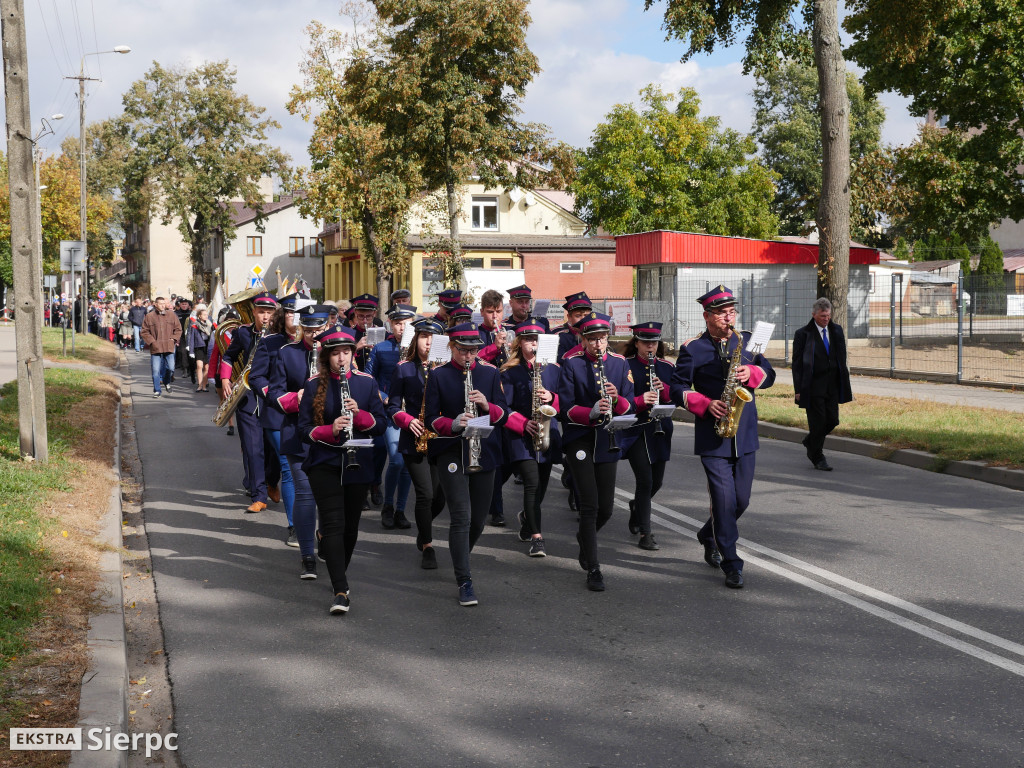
(63,40)
(95,38)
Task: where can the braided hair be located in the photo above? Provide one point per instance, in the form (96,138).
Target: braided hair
(324,361)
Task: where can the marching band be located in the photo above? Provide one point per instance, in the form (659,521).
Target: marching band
(454,408)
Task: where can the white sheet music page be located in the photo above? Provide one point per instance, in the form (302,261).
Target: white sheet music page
(760,337)
(407,335)
(547,347)
(375,335)
(439,351)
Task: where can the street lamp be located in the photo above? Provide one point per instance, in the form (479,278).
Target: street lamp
(81,78)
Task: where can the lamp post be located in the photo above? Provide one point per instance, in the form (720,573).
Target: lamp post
(81,78)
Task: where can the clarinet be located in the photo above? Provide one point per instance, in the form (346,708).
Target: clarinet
(654,384)
(345,393)
(602,379)
(475,448)
(314,365)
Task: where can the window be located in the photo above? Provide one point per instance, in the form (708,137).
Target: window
(501,263)
(570,266)
(473,263)
(296,246)
(871,284)
(254,246)
(316,246)
(485,213)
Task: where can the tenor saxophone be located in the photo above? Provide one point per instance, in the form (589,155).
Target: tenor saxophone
(542,413)
(735,395)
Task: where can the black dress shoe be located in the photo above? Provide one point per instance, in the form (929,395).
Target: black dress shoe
(634,524)
(595,581)
(734,580)
(387,517)
(647,542)
(823,465)
(711,555)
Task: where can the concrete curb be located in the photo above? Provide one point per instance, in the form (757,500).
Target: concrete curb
(104,698)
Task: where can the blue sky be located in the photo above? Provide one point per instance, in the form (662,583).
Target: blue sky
(594,54)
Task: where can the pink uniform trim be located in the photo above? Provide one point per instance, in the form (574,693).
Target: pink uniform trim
(621,406)
(579,414)
(638,404)
(488,353)
(516,422)
(495,413)
(757,377)
(443,426)
(225,371)
(554,401)
(265,391)
(696,403)
(403,420)
(666,395)
(324,434)
(289,402)
(364,421)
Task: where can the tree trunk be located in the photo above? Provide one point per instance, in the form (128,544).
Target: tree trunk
(370,240)
(834,204)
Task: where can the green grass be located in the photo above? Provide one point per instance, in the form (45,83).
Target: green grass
(24,490)
(89,348)
(951,432)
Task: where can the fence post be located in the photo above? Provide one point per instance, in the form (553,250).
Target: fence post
(751,315)
(892,328)
(785,315)
(974,304)
(960,329)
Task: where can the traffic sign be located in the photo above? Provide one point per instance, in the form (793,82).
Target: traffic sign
(64,296)
(72,255)
(128,292)
(256,271)
(101,294)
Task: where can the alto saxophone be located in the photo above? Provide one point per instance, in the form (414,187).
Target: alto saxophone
(735,395)
(423,441)
(542,413)
(475,446)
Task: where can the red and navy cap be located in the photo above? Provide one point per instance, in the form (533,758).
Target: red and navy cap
(529,327)
(577,301)
(264,299)
(401,312)
(460,311)
(336,336)
(314,315)
(717,298)
(449,299)
(466,334)
(520,292)
(647,331)
(365,301)
(428,325)
(595,322)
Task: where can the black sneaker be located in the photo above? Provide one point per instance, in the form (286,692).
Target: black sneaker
(647,542)
(231,430)
(467,596)
(524,534)
(595,581)
(292,540)
(387,517)
(429,560)
(341,603)
(537,548)
(308,568)
(401,521)
(498,521)
(376,497)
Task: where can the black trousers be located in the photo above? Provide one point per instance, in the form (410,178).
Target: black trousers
(424,482)
(649,478)
(822,418)
(339,508)
(595,493)
(469,500)
(535,484)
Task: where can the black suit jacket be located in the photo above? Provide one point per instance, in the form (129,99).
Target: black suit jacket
(817,373)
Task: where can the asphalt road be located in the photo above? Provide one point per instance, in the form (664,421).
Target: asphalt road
(882,624)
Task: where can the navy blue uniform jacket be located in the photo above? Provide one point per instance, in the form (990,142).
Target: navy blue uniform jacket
(241,342)
(518,385)
(326,449)
(446,401)
(287,379)
(263,363)
(699,378)
(577,393)
(659,447)
(405,399)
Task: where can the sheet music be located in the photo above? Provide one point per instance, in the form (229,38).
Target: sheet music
(621,422)
(375,335)
(760,337)
(540,308)
(547,347)
(439,351)
(359,442)
(662,410)
(407,335)
(479,426)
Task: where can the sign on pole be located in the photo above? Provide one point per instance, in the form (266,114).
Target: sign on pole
(49,281)
(255,275)
(101,295)
(128,292)
(72,255)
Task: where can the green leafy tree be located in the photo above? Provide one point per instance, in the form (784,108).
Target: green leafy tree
(803,30)
(989,282)
(788,129)
(665,167)
(193,144)
(902,251)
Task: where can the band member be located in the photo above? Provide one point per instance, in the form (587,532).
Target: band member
(338,405)
(283,330)
(648,444)
(250,432)
(698,381)
(496,338)
(401,296)
(520,301)
(457,391)
(518,378)
(594,386)
(405,407)
(446,302)
(459,314)
(577,306)
(364,315)
(383,360)
(296,364)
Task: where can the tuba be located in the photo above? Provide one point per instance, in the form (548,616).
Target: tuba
(542,413)
(735,395)
(242,303)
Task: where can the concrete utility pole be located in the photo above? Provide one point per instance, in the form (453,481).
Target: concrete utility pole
(28,318)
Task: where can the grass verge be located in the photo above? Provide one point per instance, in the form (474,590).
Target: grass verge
(49,515)
(951,432)
(89,348)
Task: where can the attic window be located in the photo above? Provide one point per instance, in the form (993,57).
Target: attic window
(485,213)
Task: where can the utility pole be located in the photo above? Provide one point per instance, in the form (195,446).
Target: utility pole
(28,319)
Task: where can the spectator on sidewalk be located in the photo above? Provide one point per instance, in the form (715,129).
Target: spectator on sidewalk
(821,379)
(197,342)
(161,332)
(137,314)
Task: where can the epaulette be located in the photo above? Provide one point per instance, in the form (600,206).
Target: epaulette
(615,354)
(690,341)
(361,373)
(573,355)
(403,362)
(484,362)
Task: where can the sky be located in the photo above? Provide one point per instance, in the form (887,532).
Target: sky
(594,54)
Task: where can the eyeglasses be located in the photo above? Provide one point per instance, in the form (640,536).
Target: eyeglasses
(730,312)
(466,350)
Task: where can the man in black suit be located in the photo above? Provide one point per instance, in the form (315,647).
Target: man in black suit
(820,378)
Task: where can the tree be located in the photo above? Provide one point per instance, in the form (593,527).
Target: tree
(791,29)
(195,144)
(788,130)
(902,251)
(957,59)
(445,81)
(989,284)
(665,167)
